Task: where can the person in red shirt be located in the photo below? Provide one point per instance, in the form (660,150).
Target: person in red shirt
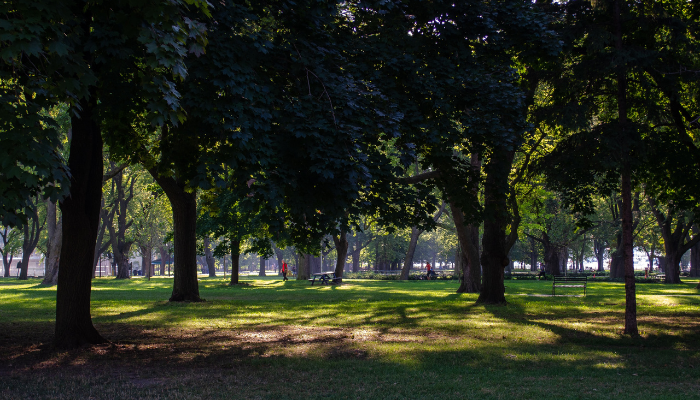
(284,271)
(427,273)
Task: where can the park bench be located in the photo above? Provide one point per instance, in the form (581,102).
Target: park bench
(325,278)
(569,282)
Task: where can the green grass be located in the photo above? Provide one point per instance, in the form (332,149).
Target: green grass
(363,339)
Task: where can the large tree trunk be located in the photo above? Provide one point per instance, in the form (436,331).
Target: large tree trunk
(356,260)
(468,241)
(626,183)
(341,248)
(209,257)
(184,205)
(673,268)
(81,217)
(263,261)
(494,257)
(630,290)
(599,250)
(235,261)
(303,269)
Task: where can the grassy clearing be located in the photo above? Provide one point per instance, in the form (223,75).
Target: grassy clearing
(365,339)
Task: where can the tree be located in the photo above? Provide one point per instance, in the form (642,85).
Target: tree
(149,225)
(619,87)
(11,244)
(84,54)
(123,192)
(415,234)
(460,93)
(32,232)
(675,226)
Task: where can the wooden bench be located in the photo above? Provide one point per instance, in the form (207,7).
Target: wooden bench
(569,282)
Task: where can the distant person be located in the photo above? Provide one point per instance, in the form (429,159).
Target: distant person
(428,268)
(284,271)
(294,271)
(542,273)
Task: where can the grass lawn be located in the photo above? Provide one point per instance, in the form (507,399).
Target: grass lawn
(364,339)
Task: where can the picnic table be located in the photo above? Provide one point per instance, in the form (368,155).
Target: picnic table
(325,278)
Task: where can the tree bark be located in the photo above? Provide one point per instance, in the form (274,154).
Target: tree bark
(599,250)
(184,205)
(263,261)
(280,259)
(415,234)
(235,261)
(341,248)
(106,218)
(630,290)
(675,245)
(50,232)
(211,263)
(494,257)
(617,259)
(468,241)
(303,267)
(164,259)
(408,261)
(533,255)
(81,217)
(146,255)
(695,260)
(121,246)
(32,231)
(51,275)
